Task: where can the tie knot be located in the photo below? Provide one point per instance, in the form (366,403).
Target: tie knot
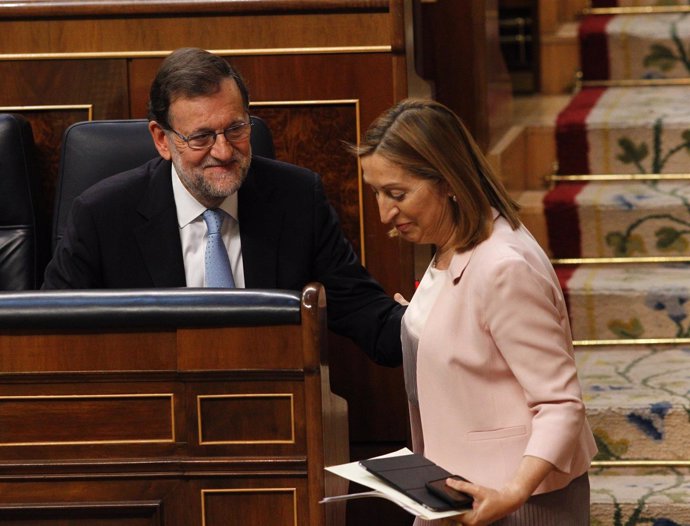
(214,220)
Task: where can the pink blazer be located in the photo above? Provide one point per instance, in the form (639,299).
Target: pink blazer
(495,369)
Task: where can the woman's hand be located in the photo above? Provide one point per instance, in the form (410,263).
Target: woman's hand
(489,504)
(400,299)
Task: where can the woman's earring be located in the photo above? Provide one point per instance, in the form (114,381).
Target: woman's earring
(454,198)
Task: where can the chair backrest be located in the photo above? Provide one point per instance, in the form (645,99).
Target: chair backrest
(18,183)
(94,150)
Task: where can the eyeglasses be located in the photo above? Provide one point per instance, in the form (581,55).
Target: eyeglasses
(204,141)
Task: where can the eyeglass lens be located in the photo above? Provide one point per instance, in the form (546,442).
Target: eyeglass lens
(233,133)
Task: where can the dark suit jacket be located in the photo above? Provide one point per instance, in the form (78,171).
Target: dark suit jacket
(123,233)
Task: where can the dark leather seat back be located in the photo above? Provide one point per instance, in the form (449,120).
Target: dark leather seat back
(18,235)
(94,150)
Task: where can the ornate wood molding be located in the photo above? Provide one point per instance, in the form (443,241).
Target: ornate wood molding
(75,8)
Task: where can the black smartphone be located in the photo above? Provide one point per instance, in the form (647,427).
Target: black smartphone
(455,498)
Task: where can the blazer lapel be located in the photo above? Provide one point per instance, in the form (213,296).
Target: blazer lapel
(158,236)
(261,219)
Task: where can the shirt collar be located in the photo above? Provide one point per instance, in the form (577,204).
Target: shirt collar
(189,209)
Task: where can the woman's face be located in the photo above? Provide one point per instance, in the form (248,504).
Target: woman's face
(419,209)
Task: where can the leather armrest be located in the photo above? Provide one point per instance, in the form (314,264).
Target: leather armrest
(153,308)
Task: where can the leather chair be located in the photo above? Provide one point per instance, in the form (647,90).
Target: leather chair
(94,150)
(19,250)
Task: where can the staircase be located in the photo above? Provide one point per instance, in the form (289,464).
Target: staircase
(616,221)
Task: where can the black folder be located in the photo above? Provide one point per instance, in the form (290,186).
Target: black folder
(409,475)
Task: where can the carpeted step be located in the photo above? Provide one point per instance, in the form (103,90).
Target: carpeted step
(643,130)
(627,302)
(634,46)
(606,219)
(637,401)
(640,496)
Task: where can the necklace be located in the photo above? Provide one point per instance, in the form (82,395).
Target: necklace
(438,255)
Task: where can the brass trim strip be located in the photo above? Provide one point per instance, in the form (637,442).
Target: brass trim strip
(171,440)
(640,463)
(85,55)
(358,118)
(51,107)
(633,83)
(303,102)
(203,442)
(249,490)
(621,177)
(636,10)
(637,341)
(620,260)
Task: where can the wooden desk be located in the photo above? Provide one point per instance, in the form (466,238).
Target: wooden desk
(167,408)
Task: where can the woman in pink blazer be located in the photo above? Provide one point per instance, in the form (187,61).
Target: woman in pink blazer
(488,356)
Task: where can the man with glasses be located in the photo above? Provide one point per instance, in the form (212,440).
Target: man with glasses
(148,227)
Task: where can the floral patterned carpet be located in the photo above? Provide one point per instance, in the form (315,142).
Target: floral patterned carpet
(625,153)
(612,302)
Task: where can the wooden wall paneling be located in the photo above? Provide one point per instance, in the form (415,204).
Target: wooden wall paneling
(128,34)
(313,134)
(73,8)
(101,84)
(457,49)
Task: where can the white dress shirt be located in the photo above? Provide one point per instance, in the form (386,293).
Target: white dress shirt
(193,234)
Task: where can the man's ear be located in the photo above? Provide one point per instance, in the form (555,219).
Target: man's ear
(160,140)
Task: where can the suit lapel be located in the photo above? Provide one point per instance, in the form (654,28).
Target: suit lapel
(158,236)
(261,220)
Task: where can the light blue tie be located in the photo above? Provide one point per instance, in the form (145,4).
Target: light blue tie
(218,270)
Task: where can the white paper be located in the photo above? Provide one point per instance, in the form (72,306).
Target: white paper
(356,473)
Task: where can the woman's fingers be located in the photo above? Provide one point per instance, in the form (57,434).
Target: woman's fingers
(400,299)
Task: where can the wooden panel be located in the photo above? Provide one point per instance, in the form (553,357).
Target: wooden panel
(149,34)
(84,419)
(98,351)
(99,83)
(474,82)
(97,514)
(256,418)
(250,506)
(19,9)
(266,416)
(239,348)
(312,134)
